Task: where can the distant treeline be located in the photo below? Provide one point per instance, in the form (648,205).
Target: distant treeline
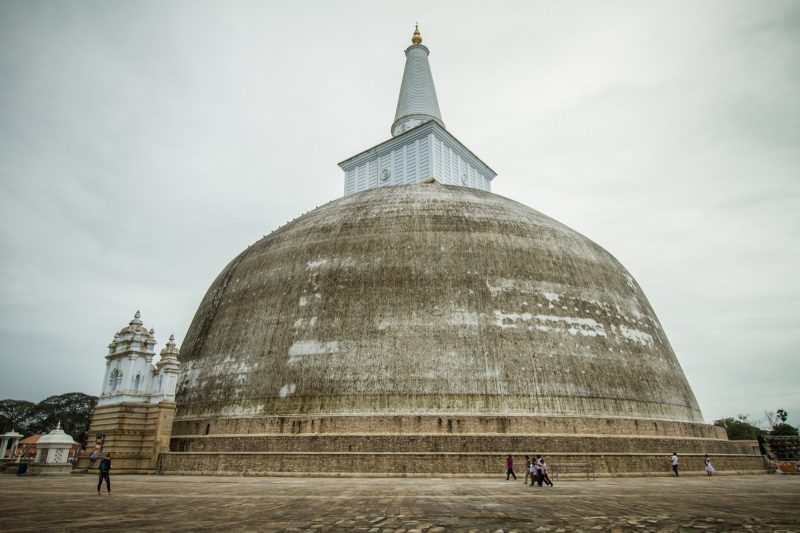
(740,428)
(73,410)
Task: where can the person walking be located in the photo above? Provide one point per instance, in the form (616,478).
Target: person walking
(105,468)
(709,468)
(532,471)
(527,468)
(675,461)
(510,465)
(544,474)
(537,463)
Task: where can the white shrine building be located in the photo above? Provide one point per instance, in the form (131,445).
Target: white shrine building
(421,148)
(53,449)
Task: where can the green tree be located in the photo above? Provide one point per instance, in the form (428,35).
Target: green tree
(782,428)
(73,410)
(739,428)
(15,415)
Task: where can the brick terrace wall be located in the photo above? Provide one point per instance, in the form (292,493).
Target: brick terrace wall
(135,434)
(453,443)
(427,424)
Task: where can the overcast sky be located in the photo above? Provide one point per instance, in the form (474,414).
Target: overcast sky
(144,144)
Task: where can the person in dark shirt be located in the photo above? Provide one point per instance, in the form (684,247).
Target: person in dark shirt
(527,468)
(537,463)
(105,468)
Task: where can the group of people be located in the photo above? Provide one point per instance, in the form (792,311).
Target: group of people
(535,469)
(709,468)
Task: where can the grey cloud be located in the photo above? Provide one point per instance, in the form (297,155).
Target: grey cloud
(143,145)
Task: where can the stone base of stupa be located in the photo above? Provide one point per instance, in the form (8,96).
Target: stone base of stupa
(134,433)
(430,445)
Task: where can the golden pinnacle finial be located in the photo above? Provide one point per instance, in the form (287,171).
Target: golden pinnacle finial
(417,38)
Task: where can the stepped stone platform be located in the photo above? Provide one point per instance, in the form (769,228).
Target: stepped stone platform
(429,445)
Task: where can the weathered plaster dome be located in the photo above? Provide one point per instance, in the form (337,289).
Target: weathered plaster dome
(428,299)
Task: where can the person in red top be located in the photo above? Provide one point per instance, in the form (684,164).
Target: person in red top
(545,477)
(510,465)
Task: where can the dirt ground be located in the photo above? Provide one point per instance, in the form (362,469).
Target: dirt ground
(176,503)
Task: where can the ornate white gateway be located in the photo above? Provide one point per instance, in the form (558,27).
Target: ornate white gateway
(421,148)
(133,417)
(130,373)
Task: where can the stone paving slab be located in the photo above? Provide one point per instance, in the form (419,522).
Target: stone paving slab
(178,503)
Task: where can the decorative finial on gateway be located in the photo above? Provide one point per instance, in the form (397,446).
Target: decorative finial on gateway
(169,355)
(416,38)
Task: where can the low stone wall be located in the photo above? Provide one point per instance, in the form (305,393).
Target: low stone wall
(37,469)
(783,448)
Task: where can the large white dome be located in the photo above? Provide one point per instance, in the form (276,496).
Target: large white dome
(428,299)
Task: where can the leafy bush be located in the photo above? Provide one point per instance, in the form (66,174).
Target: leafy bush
(739,428)
(783,429)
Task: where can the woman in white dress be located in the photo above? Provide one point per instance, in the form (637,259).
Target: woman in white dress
(709,467)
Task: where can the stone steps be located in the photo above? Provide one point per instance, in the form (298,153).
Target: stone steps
(401,445)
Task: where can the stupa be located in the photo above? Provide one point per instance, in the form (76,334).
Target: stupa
(421,324)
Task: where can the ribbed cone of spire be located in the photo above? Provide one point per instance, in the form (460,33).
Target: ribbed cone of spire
(417,102)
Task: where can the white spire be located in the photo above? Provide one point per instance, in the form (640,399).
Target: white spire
(421,150)
(417,102)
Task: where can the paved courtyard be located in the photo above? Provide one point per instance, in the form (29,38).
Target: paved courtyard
(174,503)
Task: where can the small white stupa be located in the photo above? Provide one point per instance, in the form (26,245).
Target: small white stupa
(52,453)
